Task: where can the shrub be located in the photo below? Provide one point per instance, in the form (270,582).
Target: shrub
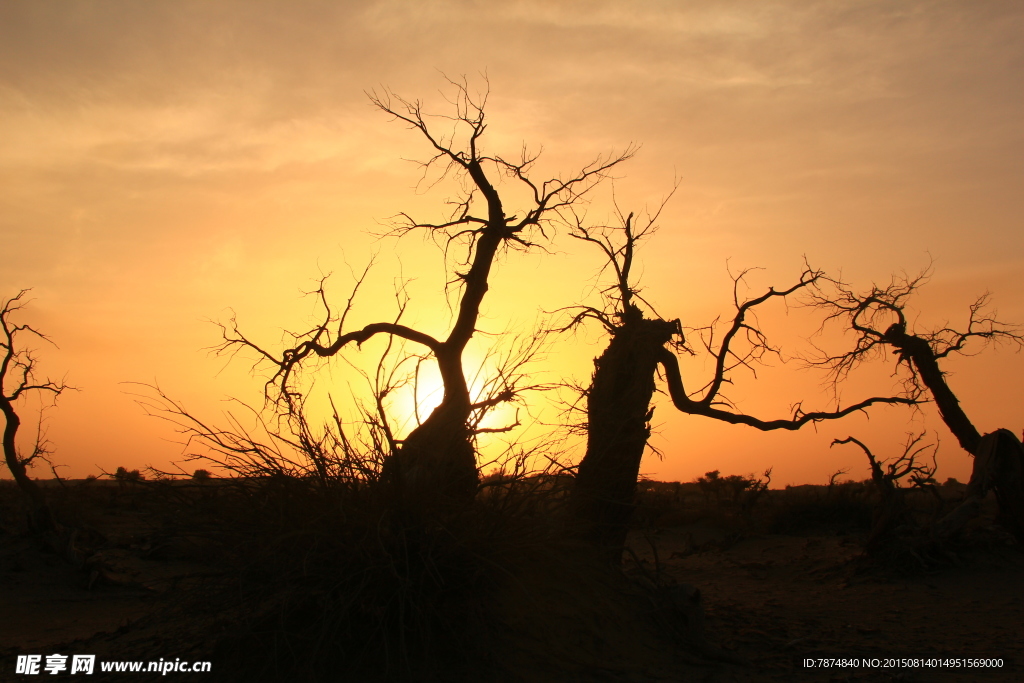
(124,475)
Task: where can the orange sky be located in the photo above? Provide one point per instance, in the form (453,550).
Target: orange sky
(165,162)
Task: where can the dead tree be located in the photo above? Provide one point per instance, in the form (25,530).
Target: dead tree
(879,321)
(17,379)
(436,460)
(618,400)
(886,477)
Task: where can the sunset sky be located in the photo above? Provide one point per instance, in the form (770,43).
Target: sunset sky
(166,163)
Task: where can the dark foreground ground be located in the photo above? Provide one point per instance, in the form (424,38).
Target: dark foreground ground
(784,582)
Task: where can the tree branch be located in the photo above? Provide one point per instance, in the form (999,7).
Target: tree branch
(879,320)
(681,401)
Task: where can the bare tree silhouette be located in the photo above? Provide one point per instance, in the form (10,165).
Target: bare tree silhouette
(17,380)
(436,460)
(886,476)
(619,397)
(878,318)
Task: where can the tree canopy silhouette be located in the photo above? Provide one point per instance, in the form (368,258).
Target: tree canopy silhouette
(878,319)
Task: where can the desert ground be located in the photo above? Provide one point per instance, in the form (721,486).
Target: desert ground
(778,582)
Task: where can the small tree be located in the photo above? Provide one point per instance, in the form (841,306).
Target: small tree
(124,475)
(755,488)
(886,476)
(17,380)
(711,485)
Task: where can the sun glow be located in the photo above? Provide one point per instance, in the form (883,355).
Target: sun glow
(423,391)
(427,392)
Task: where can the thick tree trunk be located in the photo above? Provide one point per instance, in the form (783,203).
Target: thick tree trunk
(437,463)
(1008,482)
(998,466)
(618,415)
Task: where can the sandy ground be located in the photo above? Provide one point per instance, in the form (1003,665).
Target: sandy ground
(774,600)
(770,601)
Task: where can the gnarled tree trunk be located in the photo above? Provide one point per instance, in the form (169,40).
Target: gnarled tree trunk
(618,416)
(999,467)
(437,462)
